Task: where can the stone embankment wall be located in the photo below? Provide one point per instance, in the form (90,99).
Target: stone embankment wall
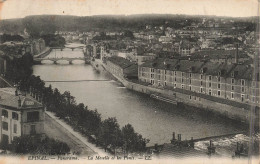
(240,112)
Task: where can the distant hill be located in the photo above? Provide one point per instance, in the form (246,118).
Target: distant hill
(45,24)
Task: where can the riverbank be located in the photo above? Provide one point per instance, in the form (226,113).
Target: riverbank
(232,110)
(44,53)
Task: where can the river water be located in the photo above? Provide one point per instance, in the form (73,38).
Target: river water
(152,118)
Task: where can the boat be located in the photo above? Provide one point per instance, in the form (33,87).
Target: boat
(158,97)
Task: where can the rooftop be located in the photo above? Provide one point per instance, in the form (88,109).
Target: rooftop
(122,62)
(8,99)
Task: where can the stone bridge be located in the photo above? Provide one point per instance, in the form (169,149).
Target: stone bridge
(70,60)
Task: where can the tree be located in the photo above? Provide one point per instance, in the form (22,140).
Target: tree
(30,145)
(128,34)
(110,134)
(133,142)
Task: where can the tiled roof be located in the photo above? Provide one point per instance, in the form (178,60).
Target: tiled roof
(220,54)
(174,64)
(244,72)
(122,62)
(209,68)
(160,63)
(9,99)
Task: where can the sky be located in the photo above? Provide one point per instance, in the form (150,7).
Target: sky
(21,8)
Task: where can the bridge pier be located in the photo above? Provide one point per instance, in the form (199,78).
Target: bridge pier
(55,62)
(70,62)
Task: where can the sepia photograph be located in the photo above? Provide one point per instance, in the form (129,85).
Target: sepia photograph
(129,81)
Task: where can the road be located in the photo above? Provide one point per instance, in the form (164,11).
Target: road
(54,130)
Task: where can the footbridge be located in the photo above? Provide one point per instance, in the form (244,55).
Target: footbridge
(72,48)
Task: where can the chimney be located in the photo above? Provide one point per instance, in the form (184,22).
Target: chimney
(236,55)
(179,137)
(19,102)
(173,136)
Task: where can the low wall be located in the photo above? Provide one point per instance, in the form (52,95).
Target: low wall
(229,111)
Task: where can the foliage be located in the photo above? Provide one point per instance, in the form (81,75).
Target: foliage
(132,141)
(20,68)
(52,40)
(29,145)
(88,122)
(7,38)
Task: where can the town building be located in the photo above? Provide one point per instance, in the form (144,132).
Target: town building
(121,67)
(235,82)
(20,115)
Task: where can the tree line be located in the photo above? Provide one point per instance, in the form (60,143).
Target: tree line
(105,133)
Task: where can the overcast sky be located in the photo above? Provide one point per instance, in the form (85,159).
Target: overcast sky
(21,8)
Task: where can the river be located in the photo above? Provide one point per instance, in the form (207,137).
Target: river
(151,118)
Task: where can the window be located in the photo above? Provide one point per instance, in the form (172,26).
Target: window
(33,116)
(219,86)
(143,74)
(242,82)
(253,99)
(175,84)
(182,74)
(165,78)
(218,93)
(201,90)
(219,79)
(209,91)
(159,71)
(5,125)
(190,75)
(152,69)
(232,81)
(209,77)
(33,129)
(209,84)
(182,80)
(253,83)
(165,72)
(232,74)
(242,98)
(190,96)
(201,83)
(190,88)
(152,75)
(175,79)
(152,81)
(5,113)
(165,84)
(182,86)
(190,81)
(175,73)
(232,88)
(242,89)
(201,76)
(159,77)
(232,95)
(15,128)
(14,116)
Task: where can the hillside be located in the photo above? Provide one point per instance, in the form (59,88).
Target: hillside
(39,24)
